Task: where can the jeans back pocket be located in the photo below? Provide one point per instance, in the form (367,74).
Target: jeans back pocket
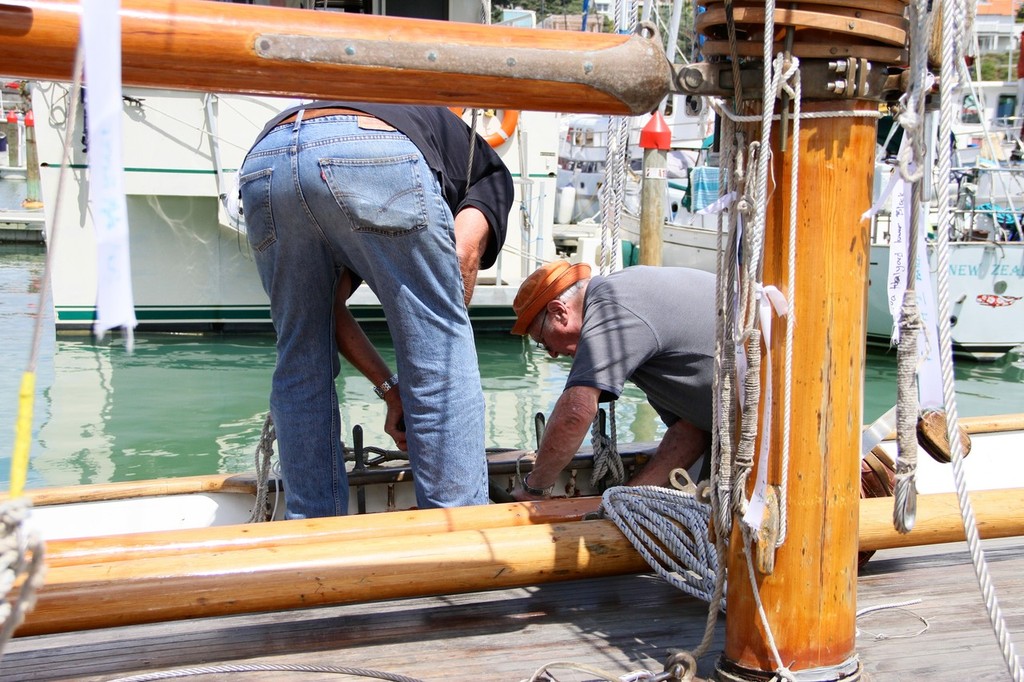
(382,196)
(254,189)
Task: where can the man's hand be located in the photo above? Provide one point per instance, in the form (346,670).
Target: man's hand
(394,421)
(522,496)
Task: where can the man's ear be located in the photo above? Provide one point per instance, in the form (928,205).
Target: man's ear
(558,310)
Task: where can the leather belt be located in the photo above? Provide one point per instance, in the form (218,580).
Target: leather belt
(309,114)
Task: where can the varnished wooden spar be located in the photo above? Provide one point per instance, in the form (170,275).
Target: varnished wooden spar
(999,513)
(128,490)
(281,534)
(266,579)
(230,47)
(112,590)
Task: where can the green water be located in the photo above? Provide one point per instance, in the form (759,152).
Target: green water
(184,405)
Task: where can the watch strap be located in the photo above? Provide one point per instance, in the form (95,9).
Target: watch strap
(386,386)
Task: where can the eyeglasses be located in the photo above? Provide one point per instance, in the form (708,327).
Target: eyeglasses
(540,337)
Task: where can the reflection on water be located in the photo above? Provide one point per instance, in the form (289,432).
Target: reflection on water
(981,387)
(186,405)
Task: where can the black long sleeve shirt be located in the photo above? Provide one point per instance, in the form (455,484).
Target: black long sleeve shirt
(443,139)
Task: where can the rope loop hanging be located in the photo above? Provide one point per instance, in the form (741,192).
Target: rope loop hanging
(263,460)
(607,461)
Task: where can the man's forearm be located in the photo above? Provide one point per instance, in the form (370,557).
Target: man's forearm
(471,235)
(352,341)
(569,423)
(680,447)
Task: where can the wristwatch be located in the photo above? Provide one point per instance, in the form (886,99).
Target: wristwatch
(537,492)
(386,386)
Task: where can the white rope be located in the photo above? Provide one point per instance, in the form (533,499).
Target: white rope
(898,605)
(21,554)
(792,86)
(782,671)
(542,673)
(612,192)
(953,26)
(911,159)
(723,109)
(669,528)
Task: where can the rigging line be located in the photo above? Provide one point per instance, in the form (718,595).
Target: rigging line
(781,669)
(795,93)
(719,105)
(44,286)
(23,428)
(911,160)
(952,10)
(770,89)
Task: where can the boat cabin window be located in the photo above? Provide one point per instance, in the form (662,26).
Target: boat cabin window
(1006,109)
(969,112)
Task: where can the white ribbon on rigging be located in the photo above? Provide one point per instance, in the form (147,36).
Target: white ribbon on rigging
(101,37)
(929,373)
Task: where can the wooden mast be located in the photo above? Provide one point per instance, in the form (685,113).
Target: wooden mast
(810,597)
(807,587)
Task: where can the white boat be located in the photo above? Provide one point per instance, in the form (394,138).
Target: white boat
(986,290)
(191,268)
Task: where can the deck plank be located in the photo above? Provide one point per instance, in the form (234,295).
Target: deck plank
(617,624)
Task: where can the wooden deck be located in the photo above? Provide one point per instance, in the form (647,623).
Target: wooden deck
(616,624)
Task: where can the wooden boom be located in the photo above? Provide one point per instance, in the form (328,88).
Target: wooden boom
(228,47)
(309,531)
(186,574)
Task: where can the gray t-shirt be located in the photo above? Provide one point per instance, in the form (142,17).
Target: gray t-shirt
(656,327)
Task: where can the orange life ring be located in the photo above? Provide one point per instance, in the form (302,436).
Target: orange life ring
(509,121)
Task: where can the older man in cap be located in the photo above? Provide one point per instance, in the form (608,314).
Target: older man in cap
(654,326)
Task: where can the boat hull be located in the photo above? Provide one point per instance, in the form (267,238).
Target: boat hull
(986,295)
(192,268)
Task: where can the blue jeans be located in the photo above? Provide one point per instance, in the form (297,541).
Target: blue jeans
(325,195)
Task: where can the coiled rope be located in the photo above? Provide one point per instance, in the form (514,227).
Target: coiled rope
(21,554)
(669,528)
(263,459)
